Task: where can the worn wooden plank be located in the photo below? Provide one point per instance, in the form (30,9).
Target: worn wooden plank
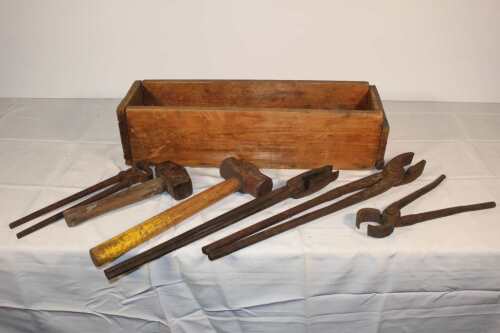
(279,124)
(376,104)
(134,97)
(269,138)
(256,94)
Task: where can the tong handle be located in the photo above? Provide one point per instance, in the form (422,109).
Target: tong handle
(63,202)
(124,179)
(415,195)
(48,221)
(435,214)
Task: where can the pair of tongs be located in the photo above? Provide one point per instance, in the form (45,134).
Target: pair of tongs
(390,218)
(396,172)
(139,173)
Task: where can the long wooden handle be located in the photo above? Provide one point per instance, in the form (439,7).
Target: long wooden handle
(127,240)
(79,214)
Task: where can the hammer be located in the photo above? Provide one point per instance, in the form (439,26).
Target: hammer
(240,176)
(170,177)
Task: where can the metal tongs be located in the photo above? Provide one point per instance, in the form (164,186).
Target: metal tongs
(139,173)
(391,218)
(396,172)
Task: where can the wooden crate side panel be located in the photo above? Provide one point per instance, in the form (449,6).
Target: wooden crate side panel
(256,94)
(277,139)
(134,97)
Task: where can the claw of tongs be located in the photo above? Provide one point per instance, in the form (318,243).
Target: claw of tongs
(391,217)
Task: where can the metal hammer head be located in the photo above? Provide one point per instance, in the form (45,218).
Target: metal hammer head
(176,179)
(311,181)
(251,179)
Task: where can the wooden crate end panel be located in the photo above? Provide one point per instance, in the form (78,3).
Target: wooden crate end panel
(134,96)
(384,131)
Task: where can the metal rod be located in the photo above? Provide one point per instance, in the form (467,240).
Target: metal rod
(393,175)
(199,232)
(325,197)
(435,214)
(299,186)
(54,218)
(105,183)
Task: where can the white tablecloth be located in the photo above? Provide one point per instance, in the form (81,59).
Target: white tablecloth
(440,276)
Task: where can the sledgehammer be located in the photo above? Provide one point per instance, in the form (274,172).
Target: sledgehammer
(240,176)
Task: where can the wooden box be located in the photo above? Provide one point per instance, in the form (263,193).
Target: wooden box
(275,124)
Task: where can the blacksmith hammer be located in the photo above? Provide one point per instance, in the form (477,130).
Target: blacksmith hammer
(170,177)
(240,176)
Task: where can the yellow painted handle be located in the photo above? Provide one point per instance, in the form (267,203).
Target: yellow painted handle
(127,240)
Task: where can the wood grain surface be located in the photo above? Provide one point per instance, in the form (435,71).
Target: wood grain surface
(75,216)
(129,239)
(255,94)
(134,97)
(274,124)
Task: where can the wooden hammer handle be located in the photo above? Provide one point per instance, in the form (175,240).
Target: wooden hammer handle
(127,240)
(79,214)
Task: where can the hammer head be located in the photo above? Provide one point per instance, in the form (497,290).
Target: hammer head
(251,179)
(176,179)
(311,181)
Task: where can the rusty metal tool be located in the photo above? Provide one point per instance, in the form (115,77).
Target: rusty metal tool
(240,176)
(391,217)
(123,179)
(411,174)
(63,202)
(170,177)
(296,187)
(393,174)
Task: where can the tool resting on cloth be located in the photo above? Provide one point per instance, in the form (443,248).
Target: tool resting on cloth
(170,177)
(297,187)
(137,174)
(240,176)
(393,174)
(391,217)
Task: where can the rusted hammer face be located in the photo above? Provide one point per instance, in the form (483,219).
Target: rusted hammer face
(250,178)
(170,177)
(175,179)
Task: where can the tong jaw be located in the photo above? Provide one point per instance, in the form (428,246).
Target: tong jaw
(311,181)
(413,172)
(395,174)
(391,217)
(386,221)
